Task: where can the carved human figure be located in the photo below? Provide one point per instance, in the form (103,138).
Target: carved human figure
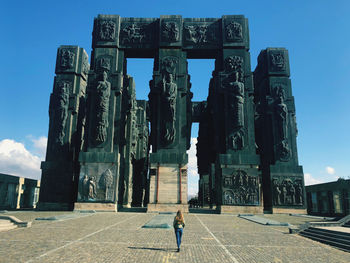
(234,31)
(169,94)
(281,112)
(67,59)
(107,30)
(292,194)
(298,193)
(103,91)
(85,188)
(276,193)
(284,194)
(60,110)
(92,189)
(170,31)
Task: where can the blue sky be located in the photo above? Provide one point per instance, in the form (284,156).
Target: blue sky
(316,33)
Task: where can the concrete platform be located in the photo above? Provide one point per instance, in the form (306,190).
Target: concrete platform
(119,237)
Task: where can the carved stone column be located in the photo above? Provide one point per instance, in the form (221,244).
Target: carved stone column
(60,171)
(276,132)
(231,105)
(99,160)
(170,131)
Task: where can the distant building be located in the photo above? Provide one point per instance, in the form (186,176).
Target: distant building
(18,192)
(329,199)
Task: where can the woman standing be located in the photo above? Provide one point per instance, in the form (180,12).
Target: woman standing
(179,224)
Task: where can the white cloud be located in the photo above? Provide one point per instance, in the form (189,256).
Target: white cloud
(40,145)
(330,170)
(15,159)
(309,180)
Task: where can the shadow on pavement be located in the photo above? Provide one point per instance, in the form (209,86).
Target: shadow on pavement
(151,248)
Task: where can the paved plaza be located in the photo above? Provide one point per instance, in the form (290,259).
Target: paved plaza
(119,237)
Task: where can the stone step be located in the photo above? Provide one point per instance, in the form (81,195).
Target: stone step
(332,238)
(329,232)
(327,236)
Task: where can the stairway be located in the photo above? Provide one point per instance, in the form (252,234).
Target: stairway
(333,238)
(6,225)
(347,224)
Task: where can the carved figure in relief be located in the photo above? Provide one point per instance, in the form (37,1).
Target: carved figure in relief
(92,188)
(85,188)
(107,182)
(277,60)
(244,189)
(60,110)
(234,87)
(103,91)
(107,30)
(287,192)
(67,59)
(298,193)
(282,117)
(133,33)
(85,65)
(276,193)
(234,31)
(169,94)
(170,31)
(197,34)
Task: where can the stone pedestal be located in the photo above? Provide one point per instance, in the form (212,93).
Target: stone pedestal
(168,188)
(101,207)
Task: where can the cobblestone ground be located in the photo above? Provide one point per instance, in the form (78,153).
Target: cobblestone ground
(118,237)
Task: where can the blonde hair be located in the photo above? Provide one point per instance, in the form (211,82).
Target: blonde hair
(179,216)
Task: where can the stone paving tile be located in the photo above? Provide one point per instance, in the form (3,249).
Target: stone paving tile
(119,237)
(283,254)
(16,251)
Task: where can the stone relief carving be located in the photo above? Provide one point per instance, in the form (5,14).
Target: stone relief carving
(85,65)
(281,113)
(134,128)
(198,34)
(106,183)
(134,33)
(170,31)
(234,32)
(287,191)
(88,189)
(103,91)
(242,189)
(60,110)
(234,86)
(277,61)
(103,64)
(168,96)
(67,59)
(107,30)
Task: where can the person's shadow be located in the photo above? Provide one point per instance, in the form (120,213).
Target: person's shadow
(154,248)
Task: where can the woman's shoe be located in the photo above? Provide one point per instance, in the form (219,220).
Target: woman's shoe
(178,250)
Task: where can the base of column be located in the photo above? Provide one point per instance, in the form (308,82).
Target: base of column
(101,207)
(53,206)
(301,211)
(240,209)
(155,208)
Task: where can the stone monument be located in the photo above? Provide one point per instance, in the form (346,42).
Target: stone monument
(100,136)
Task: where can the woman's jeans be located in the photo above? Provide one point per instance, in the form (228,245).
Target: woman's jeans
(178,234)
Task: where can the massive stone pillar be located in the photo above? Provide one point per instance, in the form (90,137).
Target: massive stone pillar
(60,171)
(231,103)
(99,160)
(276,131)
(169,100)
